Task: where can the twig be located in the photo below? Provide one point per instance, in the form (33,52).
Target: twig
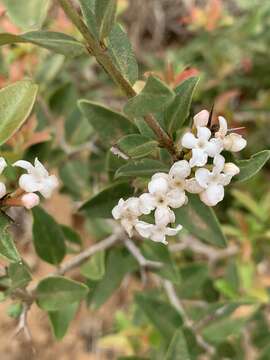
(87,253)
(103,58)
(23,324)
(212,254)
(177,304)
(135,251)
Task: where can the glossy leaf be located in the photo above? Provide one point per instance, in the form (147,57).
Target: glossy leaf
(109,125)
(16,103)
(136,146)
(161,314)
(101,205)
(94,268)
(57,42)
(154,97)
(201,221)
(178,111)
(28,14)
(48,237)
(178,348)
(54,292)
(145,167)
(250,167)
(122,54)
(105,11)
(61,319)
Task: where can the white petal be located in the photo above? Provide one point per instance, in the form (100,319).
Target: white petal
(176,198)
(144,229)
(203,133)
(29,183)
(189,141)
(203,177)
(159,235)
(24,165)
(147,203)
(128,226)
(118,209)
(133,206)
(218,162)
(212,195)
(164,215)
(158,185)
(3,164)
(180,169)
(234,142)
(173,231)
(224,179)
(192,186)
(3,190)
(199,158)
(231,169)
(160,175)
(49,184)
(214,147)
(223,128)
(201,119)
(40,169)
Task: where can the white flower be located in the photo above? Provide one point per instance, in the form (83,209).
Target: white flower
(37,179)
(127,211)
(3,189)
(30,200)
(201,119)
(232,142)
(213,182)
(202,146)
(161,197)
(156,233)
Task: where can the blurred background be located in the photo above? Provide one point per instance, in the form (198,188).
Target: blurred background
(227,44)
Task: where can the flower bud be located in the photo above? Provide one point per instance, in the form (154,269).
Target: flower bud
(231,169)
(234,142)
(201,119)
(30,200)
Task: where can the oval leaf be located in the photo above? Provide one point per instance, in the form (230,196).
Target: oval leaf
(16,103)
(201,221)
(61,319)
(94,268)
(154,97)
(54,292)
(178,349)
(48,237)
(101,205)
(250,167)
(136,146)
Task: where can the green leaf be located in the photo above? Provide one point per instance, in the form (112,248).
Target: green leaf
(48,237)
(201,221)
(7,247)
(136,146)
(101,205)
(161,314)
(145,167)
(19,275)
(77,128)
(88,11)
(118,264)
(57,42)
(61,319)
(28,14)
(105,11)
(160,253)
(109,125)
(94,269)
(71,235)
(178,347)
(122,54)
(154,97)
(54,292)
(16,103)
(178,111)
(250,167)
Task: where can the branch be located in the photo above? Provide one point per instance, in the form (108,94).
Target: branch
(103,58)
(177,304)
(143,262)
(87,253)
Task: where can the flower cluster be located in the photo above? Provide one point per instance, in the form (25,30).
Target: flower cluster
(37,179)
(203,171)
